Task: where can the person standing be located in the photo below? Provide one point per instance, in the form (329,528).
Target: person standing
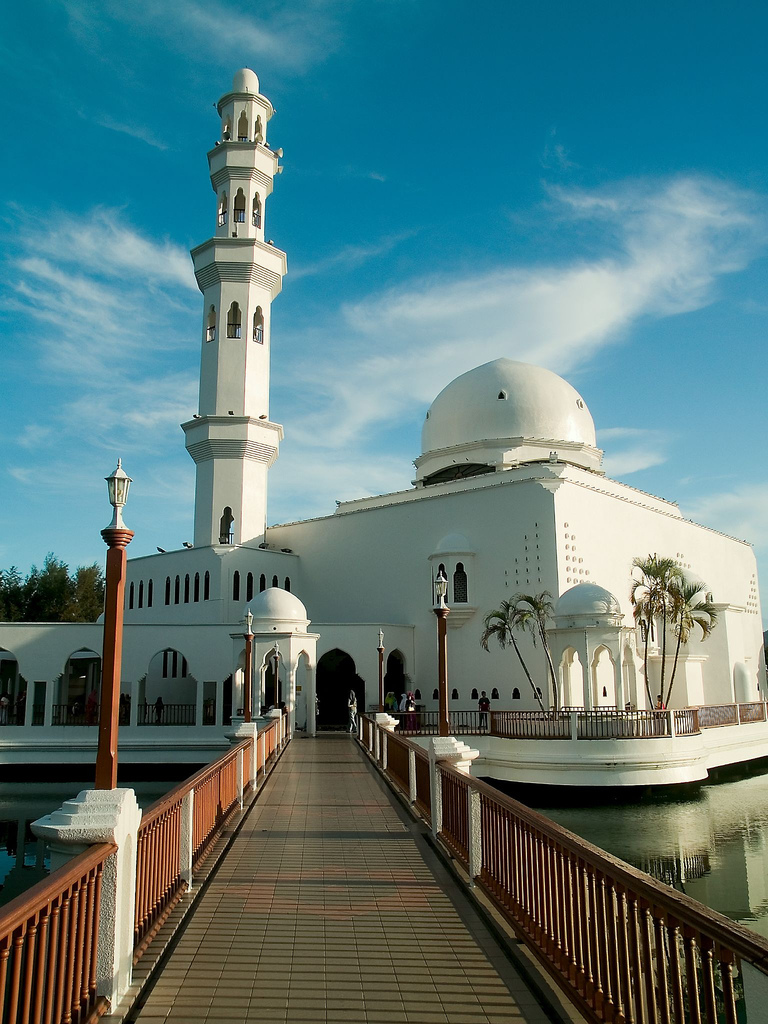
(352,708)
(159,706)
(484,707)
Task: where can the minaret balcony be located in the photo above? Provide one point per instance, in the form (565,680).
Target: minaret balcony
(242,161)
(239,259)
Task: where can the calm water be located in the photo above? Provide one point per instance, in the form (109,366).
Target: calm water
(25,859)
(712,846)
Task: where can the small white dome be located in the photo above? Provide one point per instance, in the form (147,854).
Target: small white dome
(507,399)
(245,80)
(587,599)
(454,544)
(276,606)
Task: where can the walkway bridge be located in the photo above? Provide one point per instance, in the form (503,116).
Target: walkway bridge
(331,880)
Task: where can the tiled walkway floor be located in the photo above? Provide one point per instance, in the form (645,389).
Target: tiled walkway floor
(330,907)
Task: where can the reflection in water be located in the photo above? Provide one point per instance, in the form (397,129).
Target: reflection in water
(25,859)
(712,846)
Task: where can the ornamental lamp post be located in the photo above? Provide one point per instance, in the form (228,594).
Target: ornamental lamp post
(277,674)
(442,610)
(248,667)
(380,649)
(117,537)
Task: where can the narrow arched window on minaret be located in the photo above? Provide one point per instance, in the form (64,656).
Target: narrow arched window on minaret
(210,330)
(196,588)
(236,586)
(275,581)
(240,207)
(262,583)
(242,128)
(258,326)
(258,130)
(223,209)
(141,593)
(226,131)
(130,596)
(256,211)
(234,321)
(206,586)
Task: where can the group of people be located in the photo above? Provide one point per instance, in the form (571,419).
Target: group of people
(13,712)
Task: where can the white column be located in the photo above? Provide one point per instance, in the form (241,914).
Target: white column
(186,843)
(51,689)
(311,682)
(103,816)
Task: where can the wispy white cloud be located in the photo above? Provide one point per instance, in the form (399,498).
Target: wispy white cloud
(669,242)
(631,449)
(741,512)
(350,256)
(135,131)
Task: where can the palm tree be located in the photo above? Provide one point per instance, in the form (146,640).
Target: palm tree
(531,613)
(501,623)
(692,607)
(652,596)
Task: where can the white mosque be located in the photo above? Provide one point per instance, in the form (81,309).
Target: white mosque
(508,496)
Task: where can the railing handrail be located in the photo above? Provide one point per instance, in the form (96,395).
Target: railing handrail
(689,911)
(22,907)
(156,809)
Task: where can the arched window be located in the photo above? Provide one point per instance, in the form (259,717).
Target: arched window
(207,586)
(258,132)
(502,396)
(223,209)
(239,206)
(262,583)
(236,586)
(473,695)
(210,326)
(258,326)
(515,694)
(275,582)
(141,593)
(435,694)
(196,591)
(460,584)
(167,589)
(186,589)
(256,211)
(176,590)
(225,526)
(417,694)
(249,586)
(150,593)
(454,694)
(242,127)
(495,693)
(130,596)
(234,321)
(288,584)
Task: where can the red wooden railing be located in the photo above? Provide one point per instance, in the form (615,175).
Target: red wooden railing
(625,948)
(215,795)
(48,945)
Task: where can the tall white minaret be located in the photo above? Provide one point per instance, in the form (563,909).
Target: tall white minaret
(232,439)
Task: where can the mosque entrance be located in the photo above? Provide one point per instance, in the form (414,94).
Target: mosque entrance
(336,676)
(394,677)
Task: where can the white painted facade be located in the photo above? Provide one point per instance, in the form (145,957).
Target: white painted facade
(508,497)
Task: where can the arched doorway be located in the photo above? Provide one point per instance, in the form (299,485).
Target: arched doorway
(79,690)
(302,691)
(168,692)
(13,690)
(394,677)
(336,676)
(603,679)
(572,675)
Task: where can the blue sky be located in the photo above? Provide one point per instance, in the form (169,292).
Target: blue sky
(578,185)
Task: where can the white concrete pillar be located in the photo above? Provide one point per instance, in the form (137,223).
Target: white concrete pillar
(51,689)
(311,683)
(103,816)
(186,840)
(199,702)
(475,834)
(448,750)
(412,775)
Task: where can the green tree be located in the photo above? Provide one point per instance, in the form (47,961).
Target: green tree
(500,624)
(532,613)
(691,608)
(655,581)
(51,594)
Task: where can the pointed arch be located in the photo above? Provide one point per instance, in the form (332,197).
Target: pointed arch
(210,325)
(287,584)
(454,694)
(435,694)
(176,590)
(150,593)
(516,694)
(242,127)
(207,586)
(256,214)
(234,321)
(239,207)
(262,583)
(460,588)
(226,130)
(141,593)
(474,695)
(249,587)
(258,326)
(236,586)
(196,588)
(167,589)
(222,218)
(258,131)
(495,693)
(186,589)
(130,596)
(275,581)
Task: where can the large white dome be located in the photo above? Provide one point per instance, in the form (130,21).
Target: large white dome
(501,414)
(277,609)
(505,399)
(587,599)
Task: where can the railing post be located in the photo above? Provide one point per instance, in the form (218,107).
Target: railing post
(377,746)
(574,717)
(671,717)
(475,834)
(459,756)
(262,739)
(103,816)
(185,837)
(383,748)
(239,778)
(412,775)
